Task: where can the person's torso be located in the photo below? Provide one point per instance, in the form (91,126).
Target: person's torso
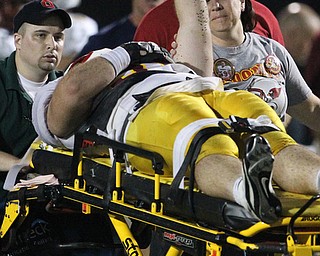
(111,36)
(16,129)
(260,66)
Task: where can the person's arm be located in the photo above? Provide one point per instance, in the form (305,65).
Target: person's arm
(194,44)
(71,101)
(267,24)
(72,98)
(7,161)
(307,112)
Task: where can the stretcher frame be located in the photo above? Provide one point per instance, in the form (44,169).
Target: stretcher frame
(299,231)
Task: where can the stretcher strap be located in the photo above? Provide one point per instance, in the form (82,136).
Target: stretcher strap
(190,160)
(185,136)
(238,125)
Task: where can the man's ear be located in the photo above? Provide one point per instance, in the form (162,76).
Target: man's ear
(17,40)
(243,5)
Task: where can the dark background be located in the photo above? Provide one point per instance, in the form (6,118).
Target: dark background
(276,5)
(106,11)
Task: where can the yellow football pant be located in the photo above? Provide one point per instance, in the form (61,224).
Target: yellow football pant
(157,125)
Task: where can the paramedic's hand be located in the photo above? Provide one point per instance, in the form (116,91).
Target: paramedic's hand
(147,52)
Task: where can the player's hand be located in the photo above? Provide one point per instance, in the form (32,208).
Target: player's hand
(147,52)
(174,46)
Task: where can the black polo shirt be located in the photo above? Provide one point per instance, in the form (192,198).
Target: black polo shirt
(16,129)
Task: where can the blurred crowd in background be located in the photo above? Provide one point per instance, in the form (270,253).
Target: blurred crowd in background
(102,13)
(275,5)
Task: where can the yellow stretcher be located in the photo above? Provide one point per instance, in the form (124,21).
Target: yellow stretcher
(187,220)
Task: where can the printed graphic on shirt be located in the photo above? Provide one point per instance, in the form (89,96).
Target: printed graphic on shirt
(224,69)
(264,79)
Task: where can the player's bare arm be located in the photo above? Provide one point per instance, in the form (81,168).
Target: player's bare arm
(194,45)
(71,102)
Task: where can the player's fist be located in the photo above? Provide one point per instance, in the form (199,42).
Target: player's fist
(147,52)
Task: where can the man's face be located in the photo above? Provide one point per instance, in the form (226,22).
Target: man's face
(40,46)
(224,14)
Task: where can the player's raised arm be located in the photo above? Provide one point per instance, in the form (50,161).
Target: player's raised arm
(194,45)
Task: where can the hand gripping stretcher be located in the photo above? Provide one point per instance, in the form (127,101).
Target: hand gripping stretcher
(185,219)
